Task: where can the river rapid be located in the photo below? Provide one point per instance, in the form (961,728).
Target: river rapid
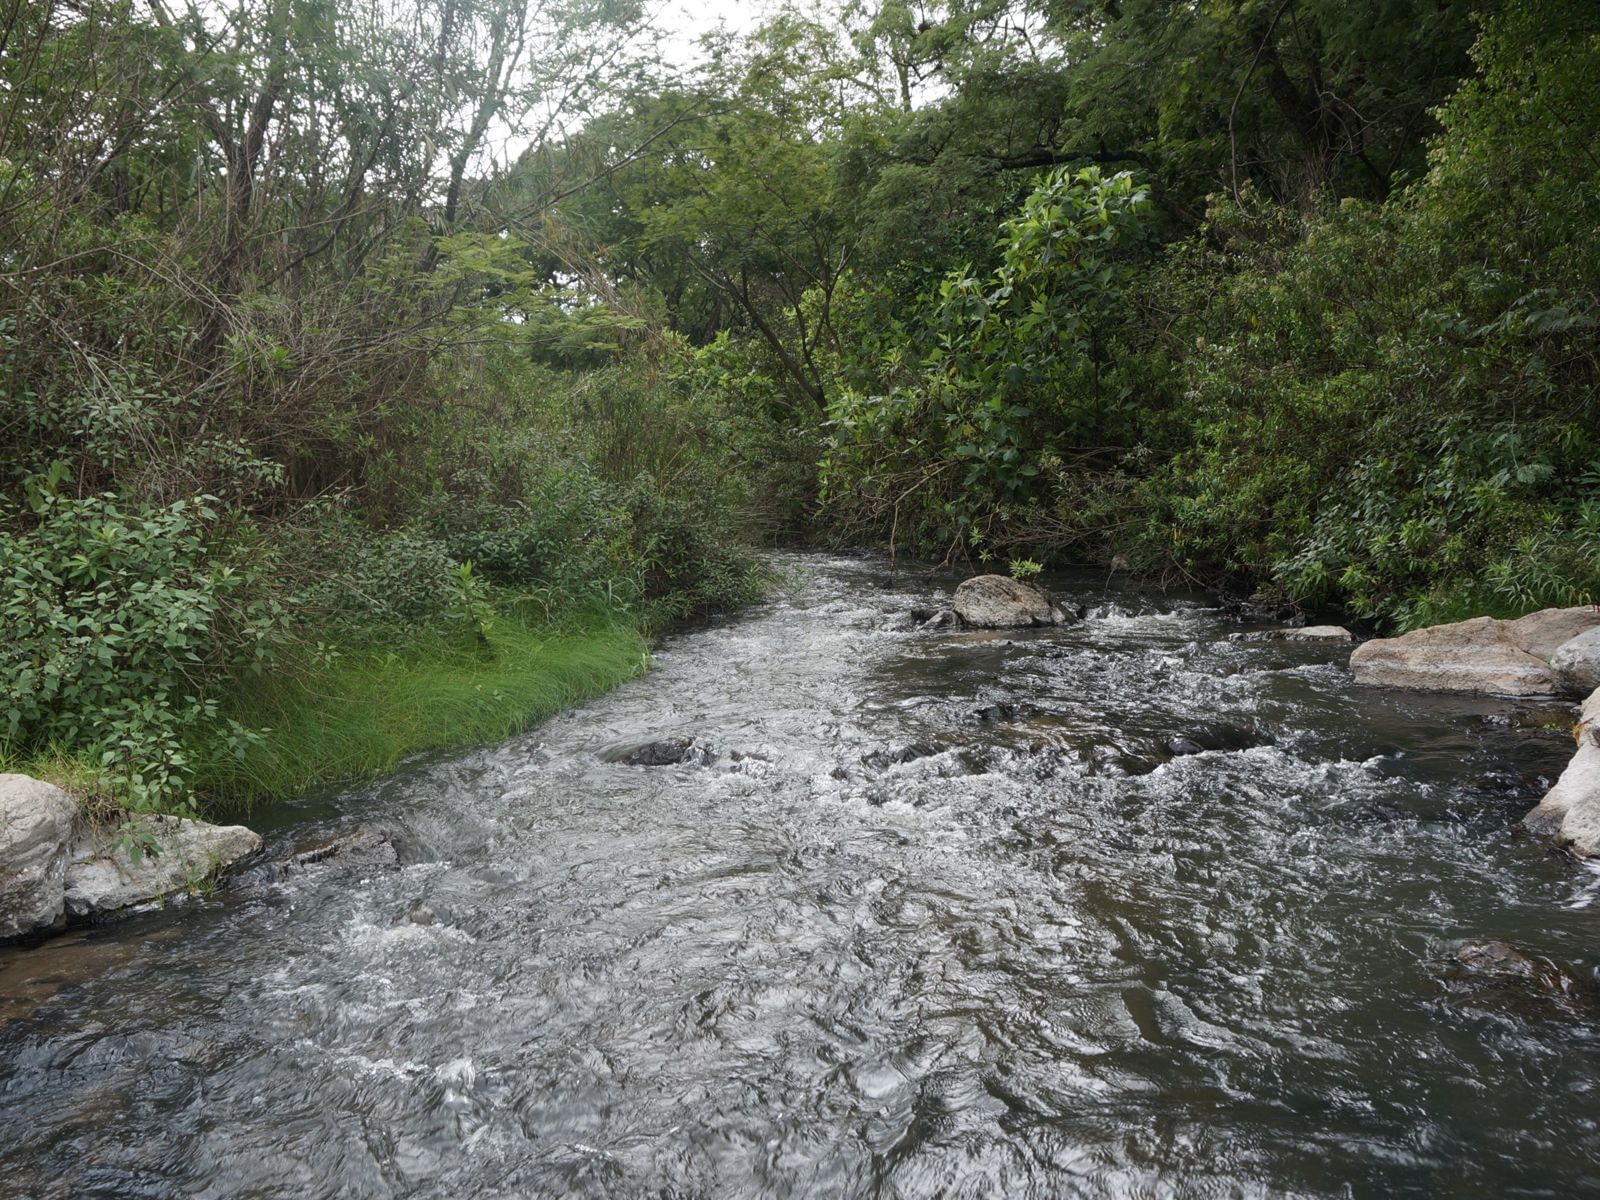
(943,915)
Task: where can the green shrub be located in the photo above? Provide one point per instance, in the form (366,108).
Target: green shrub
(122,623)
(1015,372)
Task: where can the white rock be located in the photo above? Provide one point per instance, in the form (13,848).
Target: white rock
(1577,661)
(1544,632)
(999,602)
(1572,807)
(37,821)
(1484,655)
(102,876)
(1319,633)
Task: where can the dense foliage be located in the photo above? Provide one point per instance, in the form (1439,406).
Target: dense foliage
(280,394)
(301,365)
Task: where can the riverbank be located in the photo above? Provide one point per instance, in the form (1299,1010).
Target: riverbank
(361,710)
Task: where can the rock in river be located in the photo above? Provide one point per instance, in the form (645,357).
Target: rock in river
(1483,655)
(52,868)
(177,856)
(1499,964)
(1576,662)
(1319,633)
(1571,809)
(36,826)
(999,602)
(668,752)
(1307,633)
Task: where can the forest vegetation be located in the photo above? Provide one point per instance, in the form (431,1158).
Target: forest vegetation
(378,375)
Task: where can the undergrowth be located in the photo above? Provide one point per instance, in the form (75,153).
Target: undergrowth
(356,715)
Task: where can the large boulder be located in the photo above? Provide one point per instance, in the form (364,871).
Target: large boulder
(175,856)
(1571,809)
(37,821)
(1576,661)
(1000,602)
(1483,655)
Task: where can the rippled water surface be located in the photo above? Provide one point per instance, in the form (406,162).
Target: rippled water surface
(943,916)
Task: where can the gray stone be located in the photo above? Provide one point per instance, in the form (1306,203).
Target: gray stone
(1571,809)
(943,619)
(1309,633)
(37,821)
(1483,655)
(999,602)
(1319,633)
(668,752)
(1544,632)
(1576,661)
(358,849)
(103,877)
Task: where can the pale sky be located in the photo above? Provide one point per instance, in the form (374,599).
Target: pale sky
(699,15)
(688,19)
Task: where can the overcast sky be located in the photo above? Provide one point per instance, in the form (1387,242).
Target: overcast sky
(688,19)
(696,16)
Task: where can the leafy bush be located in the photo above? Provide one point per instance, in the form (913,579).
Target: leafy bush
(1014,372)
(1393,407)
(689,564)
(122,623)
(1396,408)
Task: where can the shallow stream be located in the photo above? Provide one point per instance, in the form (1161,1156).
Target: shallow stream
(1128,909)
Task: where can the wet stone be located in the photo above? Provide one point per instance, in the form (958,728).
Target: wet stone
(882,760)
(668,752)
(1499,964)
(989,714)
(423,913)
(358,849)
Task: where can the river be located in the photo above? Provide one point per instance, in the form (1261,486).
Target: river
(944,915)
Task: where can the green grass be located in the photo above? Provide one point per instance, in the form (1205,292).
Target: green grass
(356,717)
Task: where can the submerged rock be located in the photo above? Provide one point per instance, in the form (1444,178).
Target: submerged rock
(1183,745)
(1483,655)
(882,760)
(999,602)
(1570,811)
(37,821)
(668,752)
(356,849)
(1259,606)
(175,856)
(989,714)
(1500,964)
(423,913)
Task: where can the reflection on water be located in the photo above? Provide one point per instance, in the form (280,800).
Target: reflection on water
(1122,909)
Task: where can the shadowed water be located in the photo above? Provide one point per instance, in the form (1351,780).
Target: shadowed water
(942,917)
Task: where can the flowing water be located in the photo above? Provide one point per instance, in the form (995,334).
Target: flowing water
(943,915)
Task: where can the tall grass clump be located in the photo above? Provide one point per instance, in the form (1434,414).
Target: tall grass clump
(356,713)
